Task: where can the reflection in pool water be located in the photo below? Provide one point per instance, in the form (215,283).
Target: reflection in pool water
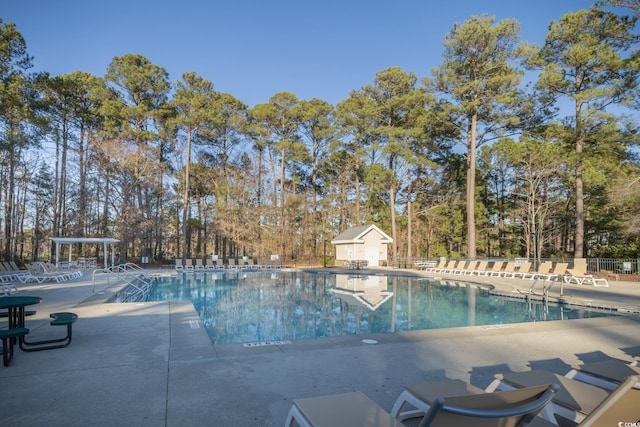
(249,306)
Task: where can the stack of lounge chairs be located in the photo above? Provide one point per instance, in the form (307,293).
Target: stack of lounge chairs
(10,272)
(535,398)
(41,272)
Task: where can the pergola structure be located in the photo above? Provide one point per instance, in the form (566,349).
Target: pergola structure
(92,240)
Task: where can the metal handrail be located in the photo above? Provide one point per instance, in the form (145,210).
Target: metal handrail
(129,273)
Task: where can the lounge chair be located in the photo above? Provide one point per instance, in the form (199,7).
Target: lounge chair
(515,408)
(462,267)
(541,273)
(209,264)
(622,404)
(8,290)
(188,265)
(448,265)
(523,270)
(431,269)
(509,270)
(559,269)
(472,266)
(608,374)
(250,264)
(179,266)
(263,264)
(481,268)
(199,265)
(37,274)
(573,401)
(219,264)
(415,399)
(451,266)
(496,269)
(231,264)
(10,272)
(427,265)
(578,275)
(49,268)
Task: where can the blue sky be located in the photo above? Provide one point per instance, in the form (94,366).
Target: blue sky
(254,49)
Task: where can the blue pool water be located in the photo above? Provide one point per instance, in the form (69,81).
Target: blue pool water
(254,306)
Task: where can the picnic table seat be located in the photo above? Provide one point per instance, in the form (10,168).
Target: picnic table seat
(59,319)
(6,335)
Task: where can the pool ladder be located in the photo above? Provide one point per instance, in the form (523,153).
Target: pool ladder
(558,278)
(139,284)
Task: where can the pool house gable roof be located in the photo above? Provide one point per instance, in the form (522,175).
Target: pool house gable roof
(356,234)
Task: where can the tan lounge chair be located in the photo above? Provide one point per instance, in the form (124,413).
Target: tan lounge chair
(451,266)
(512,408)
(578,275)
(523,270)
(496,269)
(622,404)
(559,269)
(543,270)
(461,267)
(573,401)
(471,267)
(481,268)
(509,270)
(608,374)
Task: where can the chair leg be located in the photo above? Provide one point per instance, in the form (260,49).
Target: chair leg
(295,416)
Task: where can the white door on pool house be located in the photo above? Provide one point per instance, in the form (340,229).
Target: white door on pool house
(373,255)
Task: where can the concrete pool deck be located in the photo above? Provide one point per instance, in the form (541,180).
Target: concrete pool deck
(152,364)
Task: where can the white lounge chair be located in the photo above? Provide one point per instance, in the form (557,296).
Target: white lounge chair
(179,266)
(199,265)
(8,290)
(433,268)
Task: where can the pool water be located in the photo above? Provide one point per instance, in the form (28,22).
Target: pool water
(255,306)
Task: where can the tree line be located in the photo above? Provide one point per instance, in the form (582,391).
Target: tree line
(469,161)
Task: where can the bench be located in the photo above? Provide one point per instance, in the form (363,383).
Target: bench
(7,335)
(26,313)
(59,319)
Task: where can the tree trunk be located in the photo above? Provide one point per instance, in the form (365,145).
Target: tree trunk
(471,187)
(185,200)
(579,240)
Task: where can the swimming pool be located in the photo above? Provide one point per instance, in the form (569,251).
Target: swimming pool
(256,306)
